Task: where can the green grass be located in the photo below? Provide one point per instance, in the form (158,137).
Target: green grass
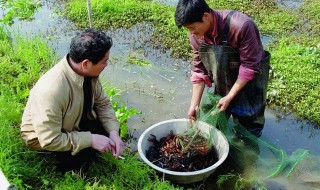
(310,12)
(22,62)
(18,9)
(20,66)
(295,86)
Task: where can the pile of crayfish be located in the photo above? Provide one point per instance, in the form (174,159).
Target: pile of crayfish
(182,153)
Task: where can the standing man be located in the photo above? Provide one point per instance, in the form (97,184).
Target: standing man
(68,112)
(228,52)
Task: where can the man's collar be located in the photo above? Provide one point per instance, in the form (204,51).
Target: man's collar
(214,32)
(75,77)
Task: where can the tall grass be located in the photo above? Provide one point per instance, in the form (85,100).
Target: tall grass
(22,62)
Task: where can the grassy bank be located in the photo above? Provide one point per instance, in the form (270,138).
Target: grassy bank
(293,31)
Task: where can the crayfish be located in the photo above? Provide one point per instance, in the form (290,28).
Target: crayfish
(182,153)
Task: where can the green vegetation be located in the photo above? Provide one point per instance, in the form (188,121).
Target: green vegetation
(20,65)
(236,182)
(135,59)
(108,14)
(295,86)
(294,42)
(19,9)
(122,112)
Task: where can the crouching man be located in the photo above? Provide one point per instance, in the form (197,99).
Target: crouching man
(68,112)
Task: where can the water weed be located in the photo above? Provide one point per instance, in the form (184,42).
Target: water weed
(295,87)
(236,182)
(123,113)
(19,9)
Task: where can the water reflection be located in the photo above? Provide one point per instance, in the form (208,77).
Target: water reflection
(167,2)
(49,25)
(290,134)
(289,3)
(265,40)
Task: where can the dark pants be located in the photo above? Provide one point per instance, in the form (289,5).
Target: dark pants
(254,124)
(67,162)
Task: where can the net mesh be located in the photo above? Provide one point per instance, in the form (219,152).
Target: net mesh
(260,160)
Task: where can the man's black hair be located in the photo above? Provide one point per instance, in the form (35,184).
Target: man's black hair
(190,11)
(89,44)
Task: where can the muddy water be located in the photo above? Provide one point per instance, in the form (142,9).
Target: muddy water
(161,90)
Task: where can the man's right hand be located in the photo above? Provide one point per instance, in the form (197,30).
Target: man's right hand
(195,100)
(102,143)
(192,112)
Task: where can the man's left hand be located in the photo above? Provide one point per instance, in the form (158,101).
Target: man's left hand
(223,103)
(119,144)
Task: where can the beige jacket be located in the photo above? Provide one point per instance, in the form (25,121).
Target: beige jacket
(52,115)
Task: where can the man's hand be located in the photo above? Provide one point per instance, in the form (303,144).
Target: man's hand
(223,103)
(192,112)
(119,145)
(195,100)
(102,143)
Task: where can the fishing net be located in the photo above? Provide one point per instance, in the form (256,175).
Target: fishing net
(259,159)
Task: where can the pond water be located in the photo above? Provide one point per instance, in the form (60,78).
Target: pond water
(283,3)
(162,90)
(290,3)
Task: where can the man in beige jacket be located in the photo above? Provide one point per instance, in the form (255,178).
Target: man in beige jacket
(68,112)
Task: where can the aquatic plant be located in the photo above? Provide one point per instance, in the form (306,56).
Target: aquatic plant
(236,182)
(135,59)
(123,113)
(18,9)
(310,12)
(295,87)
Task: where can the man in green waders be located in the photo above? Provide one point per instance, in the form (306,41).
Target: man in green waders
(228,52)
